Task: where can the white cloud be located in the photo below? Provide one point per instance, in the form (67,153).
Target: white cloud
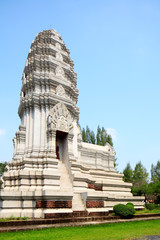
(113,133)
(2,132)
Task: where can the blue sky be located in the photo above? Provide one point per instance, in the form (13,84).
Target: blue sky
(115,47)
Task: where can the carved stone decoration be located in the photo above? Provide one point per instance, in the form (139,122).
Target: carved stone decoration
(62,124)
(60,118)
(59,56)
(56,36)
(58,45)
(59,72)
(60,91)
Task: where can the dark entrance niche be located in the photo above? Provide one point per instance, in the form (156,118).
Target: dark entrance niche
(62,145)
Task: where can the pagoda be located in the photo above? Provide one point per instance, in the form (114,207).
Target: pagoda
(53,172)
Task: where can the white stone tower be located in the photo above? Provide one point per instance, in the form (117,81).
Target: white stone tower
(53,171)
(48,100)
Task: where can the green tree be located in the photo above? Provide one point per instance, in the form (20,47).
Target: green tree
(98,136)
(140,180)
(84,138)
(3,168)
(109,140)
(155,172)
(140,174)
(154,186)
(115,163)
(88,135)
(92,137)
(157,191)
(128,173)
(153,192)
(102,137)
(140,189)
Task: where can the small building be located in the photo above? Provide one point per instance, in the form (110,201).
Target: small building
(53,172)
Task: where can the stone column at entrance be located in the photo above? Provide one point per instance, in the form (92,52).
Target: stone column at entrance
(70,146)
(52,143)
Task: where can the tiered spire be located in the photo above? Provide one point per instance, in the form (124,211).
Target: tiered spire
(48,72)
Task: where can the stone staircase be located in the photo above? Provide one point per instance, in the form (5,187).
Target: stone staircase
(77,203)
(65,182)
(66,186)
(75,220)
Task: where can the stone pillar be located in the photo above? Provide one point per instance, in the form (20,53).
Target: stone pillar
(27,129)
(46,129)
(43,123)
(52,143)
(36,129)
(30,140)
(24,118)
(70,146)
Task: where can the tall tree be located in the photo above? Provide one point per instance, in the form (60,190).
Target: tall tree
(102,137)
(92,137)
(140,174)
(3,168)
(98,136)
(155,172)
(140,189)
(109,140)
(115,163)
(153,191)
(88,135)
(140,180)
(128,173)
(84,138)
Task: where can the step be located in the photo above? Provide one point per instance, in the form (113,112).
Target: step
(33,224)
(54,221)
(65,182)
(77,203)
(75,214)
(74,218)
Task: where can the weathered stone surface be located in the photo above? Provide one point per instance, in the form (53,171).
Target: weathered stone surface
(53,204)
(95,204)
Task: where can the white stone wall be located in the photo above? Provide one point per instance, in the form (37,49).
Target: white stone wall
(98,157)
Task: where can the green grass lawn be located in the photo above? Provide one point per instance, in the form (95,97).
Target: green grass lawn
(112,231)
(146,211)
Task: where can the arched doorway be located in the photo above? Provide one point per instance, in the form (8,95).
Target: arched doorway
(62,145)
(60,132)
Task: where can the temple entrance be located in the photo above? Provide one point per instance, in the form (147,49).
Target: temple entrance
(62,145)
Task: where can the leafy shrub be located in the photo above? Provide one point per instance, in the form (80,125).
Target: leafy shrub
(11,217)
(150,206)
(124,211)
(25,218)
(157,206)
(117,208)
(130,204)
